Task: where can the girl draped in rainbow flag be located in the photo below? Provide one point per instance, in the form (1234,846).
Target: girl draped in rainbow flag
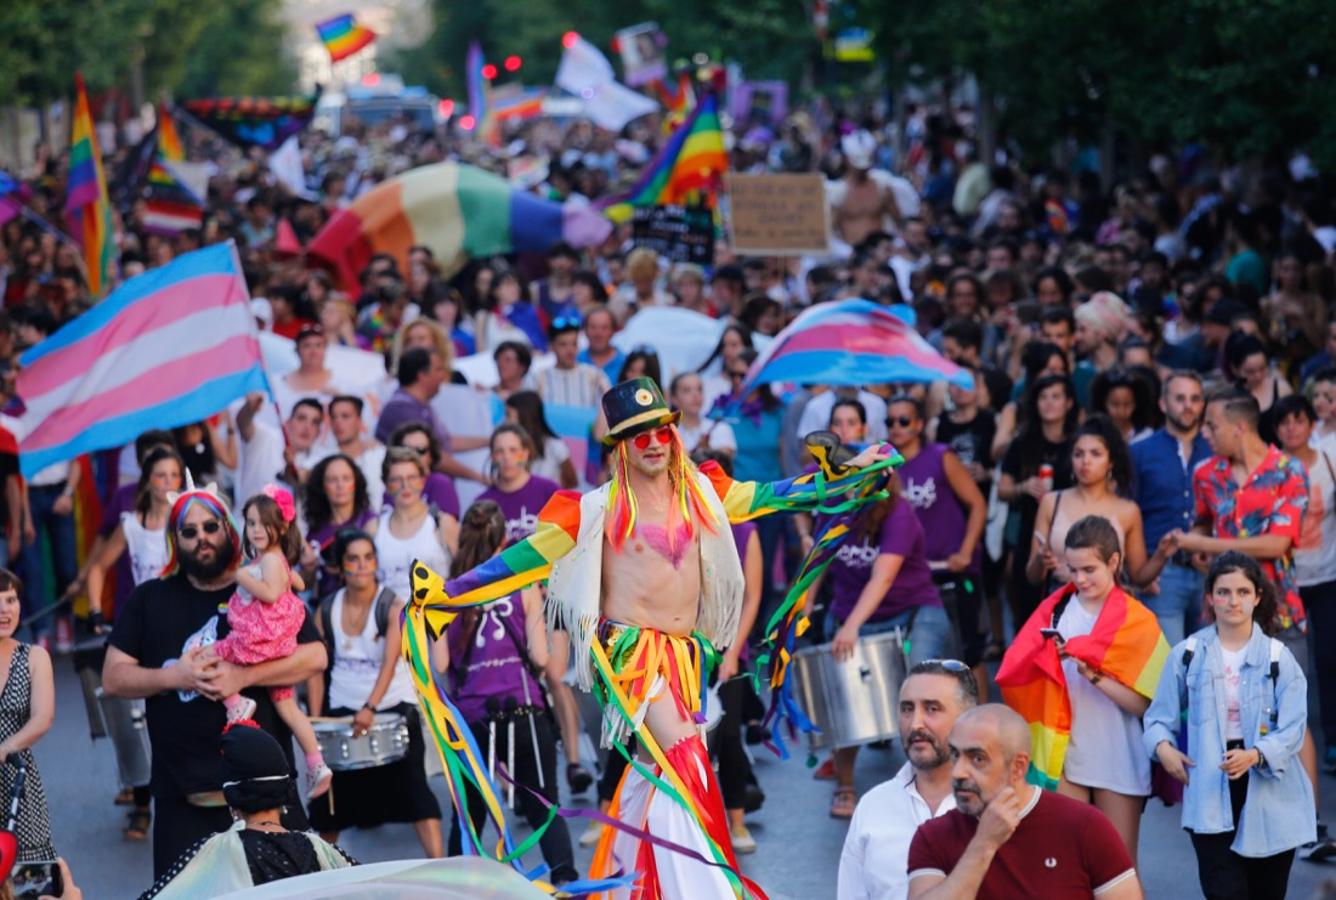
(643,575)
(1082,671)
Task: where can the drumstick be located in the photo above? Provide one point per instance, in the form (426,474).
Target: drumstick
(510,764)
(491,749)
(533,733)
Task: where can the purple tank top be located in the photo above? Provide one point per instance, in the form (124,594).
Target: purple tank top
(489,670)
(923,483)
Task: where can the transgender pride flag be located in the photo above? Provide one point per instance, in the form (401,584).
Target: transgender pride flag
(170,347)
(852,342)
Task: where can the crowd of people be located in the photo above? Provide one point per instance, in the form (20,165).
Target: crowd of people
(1149,432)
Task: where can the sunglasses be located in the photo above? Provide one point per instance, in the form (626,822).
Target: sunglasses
(664,434)
(190,532)
(736,376)
(563,323)
(902,421)
(951,665)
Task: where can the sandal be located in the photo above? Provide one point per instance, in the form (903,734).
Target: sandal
(125,798)
(137,829)
(842,803)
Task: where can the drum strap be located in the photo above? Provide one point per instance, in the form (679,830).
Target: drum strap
(384,603)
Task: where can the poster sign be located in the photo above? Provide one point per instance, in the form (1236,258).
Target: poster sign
(678,233)
(779,215)
(642,48)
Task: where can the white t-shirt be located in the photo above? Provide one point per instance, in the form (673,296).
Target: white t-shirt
(816,415)
(260,460)
(721,436)
(555,452)
(875,858)
(1233,667)
(1315,554)
(1105,749)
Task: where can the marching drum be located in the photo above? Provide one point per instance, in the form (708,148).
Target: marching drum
(385,742)
(856,701)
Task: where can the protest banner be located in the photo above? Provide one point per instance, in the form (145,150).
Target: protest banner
(778,215)
(677,233)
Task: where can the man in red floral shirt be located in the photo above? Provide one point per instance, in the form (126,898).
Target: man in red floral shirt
(1250,497)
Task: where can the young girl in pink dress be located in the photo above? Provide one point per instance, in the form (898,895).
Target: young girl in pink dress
(265,615)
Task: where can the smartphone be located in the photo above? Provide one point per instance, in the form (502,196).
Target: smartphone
(1051,634)
(35,879)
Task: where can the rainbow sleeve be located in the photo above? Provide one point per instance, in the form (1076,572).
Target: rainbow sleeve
(814,492)
(518,566)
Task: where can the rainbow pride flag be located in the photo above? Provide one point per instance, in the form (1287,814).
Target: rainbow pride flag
(86,203)
(459,211)
(1126,644)
(175,198)
(254,121)
(343,37)
(688,171)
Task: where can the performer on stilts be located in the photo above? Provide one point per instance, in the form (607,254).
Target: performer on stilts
(644,577)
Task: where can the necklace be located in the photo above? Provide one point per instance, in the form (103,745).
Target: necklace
(350,635)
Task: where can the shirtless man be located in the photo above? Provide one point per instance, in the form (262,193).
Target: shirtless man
(860,202)
(312,377)
(643,591)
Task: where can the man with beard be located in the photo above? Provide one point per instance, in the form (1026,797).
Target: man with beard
(1007,838)
(876,848)
(156,652)
(1162,466)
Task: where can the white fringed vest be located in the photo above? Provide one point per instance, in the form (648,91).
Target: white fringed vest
(576,583)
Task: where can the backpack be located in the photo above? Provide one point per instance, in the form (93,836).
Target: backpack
(1190,650)
(384,603)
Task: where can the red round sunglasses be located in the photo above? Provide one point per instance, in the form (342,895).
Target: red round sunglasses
(664,433)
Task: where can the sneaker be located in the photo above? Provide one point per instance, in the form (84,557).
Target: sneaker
(64,636)
(318,781)
(243,709)
(743,842)
(591,834)
(825,771)
(1318,851)
(578,778)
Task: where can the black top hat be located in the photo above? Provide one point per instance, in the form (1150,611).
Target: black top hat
(635,406)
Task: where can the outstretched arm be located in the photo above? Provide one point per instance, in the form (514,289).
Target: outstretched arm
(521,564)
(747,500)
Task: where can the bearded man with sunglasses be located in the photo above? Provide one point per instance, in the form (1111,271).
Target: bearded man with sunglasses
(156,651)
(644,576)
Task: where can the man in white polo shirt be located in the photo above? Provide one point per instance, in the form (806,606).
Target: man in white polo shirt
(876,849)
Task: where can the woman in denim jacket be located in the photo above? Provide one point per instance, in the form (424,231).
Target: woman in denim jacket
(1247,803)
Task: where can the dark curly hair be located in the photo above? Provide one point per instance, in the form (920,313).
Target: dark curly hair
(315,502)
(1268,597)
(1101,427)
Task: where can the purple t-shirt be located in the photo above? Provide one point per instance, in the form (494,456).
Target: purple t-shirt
(742,533)
(327,582)
(403,408)
(521,507)
(901,535)
(122,501)
(924,485)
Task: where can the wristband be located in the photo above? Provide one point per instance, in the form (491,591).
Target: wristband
(368,706)
(1261,760)
(1096,677)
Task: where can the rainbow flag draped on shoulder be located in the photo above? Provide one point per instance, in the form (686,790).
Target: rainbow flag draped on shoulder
(86,203)
(687,171)
(1126,644)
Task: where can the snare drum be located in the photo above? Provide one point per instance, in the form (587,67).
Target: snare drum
(856,701)
(384,743)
